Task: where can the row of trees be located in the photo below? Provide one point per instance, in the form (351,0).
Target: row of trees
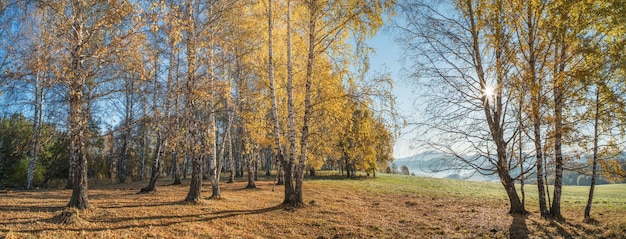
(104,154)
(207,85)
(517,86)
(15,139)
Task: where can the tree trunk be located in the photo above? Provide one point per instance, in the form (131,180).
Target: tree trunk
(78,159)
(175,169)
(144,141)
(268,162)
(257,159)
(231,177)
(215,180)
(123,160)
(70,176)
(172,80)
(594,166)
(213,165)
(270,68)
(347,165)
(555,211)
(186,161)
(546,181)
(195,188)
(250,162)
(280,175)
(156,164)
(290,194)
(493,106)
(539,158)
(240,165)
(193,132)
(112,161)
(536,89)
(352,171)
(516,206)
(341,169)
(238,156)
(289,166)
(521,165)
(177,166)
(304,140)
(231,159)
(77,114)
(36,131)
(558,91)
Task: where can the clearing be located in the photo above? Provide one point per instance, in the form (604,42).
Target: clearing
(388,206)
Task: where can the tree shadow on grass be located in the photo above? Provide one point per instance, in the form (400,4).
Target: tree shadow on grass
(5,208)
(560,232)
(518,228)
(560,229)
(578,229)
(104,223)
(47,194)
(127,205)
(257,188)
(232,213)
(17,220)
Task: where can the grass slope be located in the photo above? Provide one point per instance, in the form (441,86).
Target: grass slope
(388,206)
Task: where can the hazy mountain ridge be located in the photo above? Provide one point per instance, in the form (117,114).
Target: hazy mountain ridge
(429,164)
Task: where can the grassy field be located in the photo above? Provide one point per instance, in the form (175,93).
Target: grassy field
(388,206)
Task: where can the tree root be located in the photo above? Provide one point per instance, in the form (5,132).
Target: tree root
(69,217)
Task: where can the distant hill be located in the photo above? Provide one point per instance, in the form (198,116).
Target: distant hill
(429,164)
(422,164)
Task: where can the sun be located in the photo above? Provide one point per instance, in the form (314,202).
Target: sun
(489,91)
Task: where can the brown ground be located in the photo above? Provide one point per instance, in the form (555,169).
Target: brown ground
(337,211)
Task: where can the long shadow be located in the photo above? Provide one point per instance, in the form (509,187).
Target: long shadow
(198,217)
(9,208)
(126,205)
(247,189)
(147,221)
(518,228)
(5,208)
(560,229)
(19,221)
(48,194)
(546,232)
(232,213)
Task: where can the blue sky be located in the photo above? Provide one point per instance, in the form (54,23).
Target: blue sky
(387,58)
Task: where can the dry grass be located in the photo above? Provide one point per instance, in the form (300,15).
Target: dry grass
(366,208)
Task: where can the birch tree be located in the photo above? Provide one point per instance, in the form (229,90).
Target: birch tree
(192,125)
(528,22)
(463,48)
(571,32)
(202,88)
(326,24)
(36,58)
(605,102)
(81,27)
(165,27)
